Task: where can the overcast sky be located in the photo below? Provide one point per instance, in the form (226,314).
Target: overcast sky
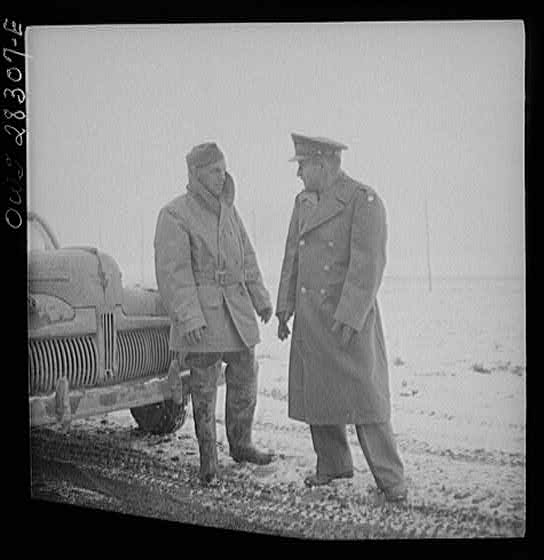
(428,109)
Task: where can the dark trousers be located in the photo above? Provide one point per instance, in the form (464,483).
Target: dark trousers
(379,448)
(241,398)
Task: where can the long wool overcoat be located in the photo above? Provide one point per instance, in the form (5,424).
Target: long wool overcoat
(207,271)
(332,269)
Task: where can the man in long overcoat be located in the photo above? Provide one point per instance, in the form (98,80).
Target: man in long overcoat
(331,272)
(209,279)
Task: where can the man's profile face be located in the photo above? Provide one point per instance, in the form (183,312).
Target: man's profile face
(310,172)
(213,176)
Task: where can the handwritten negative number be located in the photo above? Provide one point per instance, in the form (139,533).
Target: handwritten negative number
(18,133)
(17,93)
(11,71)
(13,27)
(19,115)
(10,162)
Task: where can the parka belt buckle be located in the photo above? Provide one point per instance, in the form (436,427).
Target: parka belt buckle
(220,276)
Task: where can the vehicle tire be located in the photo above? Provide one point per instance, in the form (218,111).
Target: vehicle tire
(163,417)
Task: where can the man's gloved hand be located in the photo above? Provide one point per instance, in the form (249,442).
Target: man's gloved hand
(283,329)
(195,336)
(346,332)
(265,314)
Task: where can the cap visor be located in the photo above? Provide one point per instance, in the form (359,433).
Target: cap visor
(299,158)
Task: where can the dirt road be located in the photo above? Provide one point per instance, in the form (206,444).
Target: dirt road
(107,464)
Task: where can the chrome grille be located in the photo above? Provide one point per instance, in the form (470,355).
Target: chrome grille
(109,341)
(143,352)
(75,358)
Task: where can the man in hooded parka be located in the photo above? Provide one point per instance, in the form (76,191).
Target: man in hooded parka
(210,282)
(331,272)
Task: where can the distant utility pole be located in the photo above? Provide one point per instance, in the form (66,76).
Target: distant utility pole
(254,227)
(428,245)
(141,250)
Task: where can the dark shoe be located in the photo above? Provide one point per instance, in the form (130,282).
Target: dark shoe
(324,479)
(207,478)
(251,455)
(396,496)
(392,496)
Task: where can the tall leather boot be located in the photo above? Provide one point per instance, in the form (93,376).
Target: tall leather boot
(205,368)
(204,418)
(241,399)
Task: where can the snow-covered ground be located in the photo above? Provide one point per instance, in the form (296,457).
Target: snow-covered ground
(457,370)
(457,361)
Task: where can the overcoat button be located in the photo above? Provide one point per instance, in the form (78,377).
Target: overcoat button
(322,291)
(303,289)
(331,244)
(301,242)
(326,267)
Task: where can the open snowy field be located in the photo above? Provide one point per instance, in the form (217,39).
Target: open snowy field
(457,369)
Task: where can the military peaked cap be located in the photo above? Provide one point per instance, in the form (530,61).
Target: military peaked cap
(307,146)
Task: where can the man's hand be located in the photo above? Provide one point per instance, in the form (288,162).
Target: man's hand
(195,336)
(346,332)
(265,314)
(283,329)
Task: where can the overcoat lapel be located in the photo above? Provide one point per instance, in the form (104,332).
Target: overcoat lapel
(308,204)
(329,206)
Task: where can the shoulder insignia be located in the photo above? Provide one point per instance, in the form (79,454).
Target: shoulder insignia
(369,192)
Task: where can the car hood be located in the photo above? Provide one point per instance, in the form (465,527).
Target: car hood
(81,276)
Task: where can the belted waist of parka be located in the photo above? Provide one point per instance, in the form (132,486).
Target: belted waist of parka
(224,277)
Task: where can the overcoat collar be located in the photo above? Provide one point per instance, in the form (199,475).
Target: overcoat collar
(199,191)
(331,203)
